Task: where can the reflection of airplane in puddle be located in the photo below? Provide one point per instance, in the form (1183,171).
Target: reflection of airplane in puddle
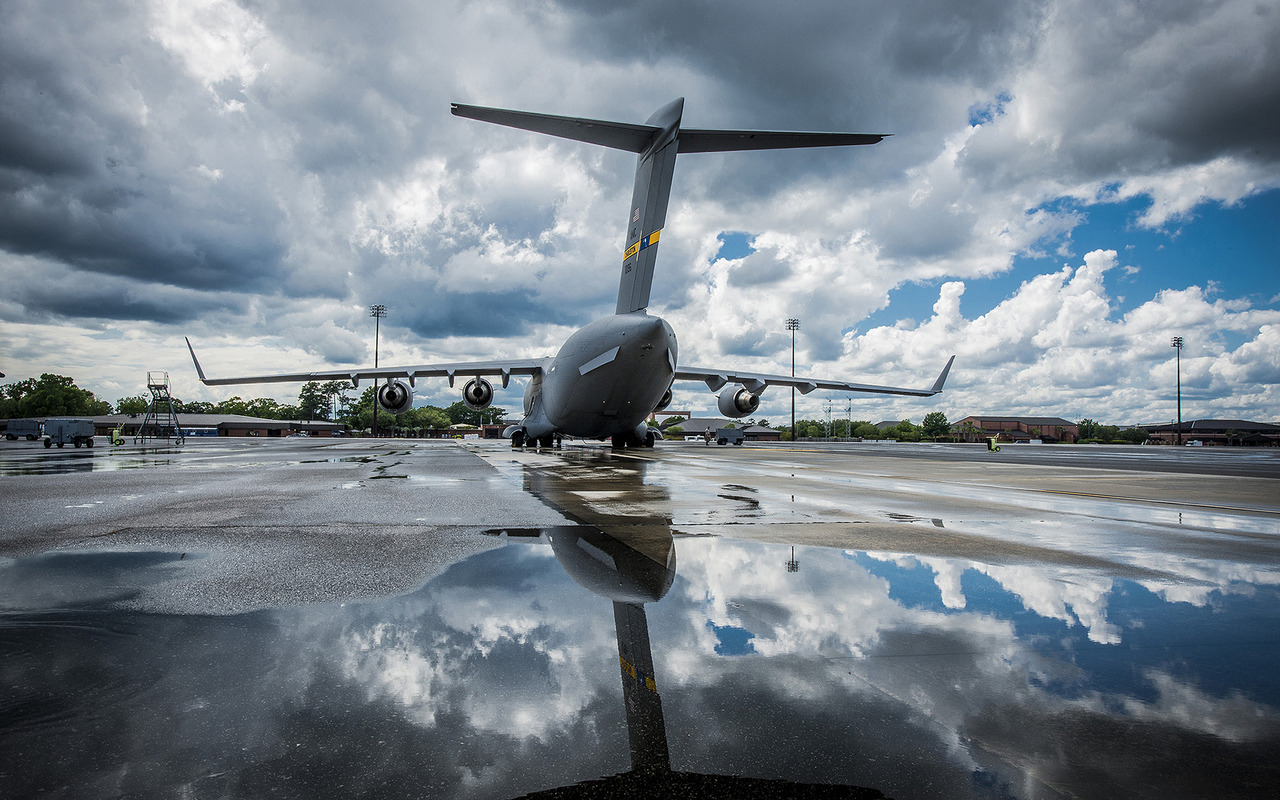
(632,564)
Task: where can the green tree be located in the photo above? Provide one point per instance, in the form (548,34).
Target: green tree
(426,418)
(314,400)
(904,431)
(866,430)
(935,424)
(462,414)
(232,405)
(1135,435)
(133,405)
(51,396)
(194,407)
(264,407)
(810,429)
(1088,428)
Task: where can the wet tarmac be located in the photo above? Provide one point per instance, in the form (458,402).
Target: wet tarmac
(239,618)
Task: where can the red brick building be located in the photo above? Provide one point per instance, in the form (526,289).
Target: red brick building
(1016,429)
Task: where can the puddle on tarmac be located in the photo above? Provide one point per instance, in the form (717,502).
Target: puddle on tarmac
(569,655)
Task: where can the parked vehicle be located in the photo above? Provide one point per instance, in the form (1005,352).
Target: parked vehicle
(727,435)
(27,428)
(76,431)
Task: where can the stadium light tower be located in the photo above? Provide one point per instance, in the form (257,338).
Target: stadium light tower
(377,311)
(793,325)
(1177,346)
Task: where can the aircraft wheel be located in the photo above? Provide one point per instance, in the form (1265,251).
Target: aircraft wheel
(517,439)
(617,443)
(59,445)
(49,444)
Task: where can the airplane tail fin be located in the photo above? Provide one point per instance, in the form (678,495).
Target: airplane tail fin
(657,142)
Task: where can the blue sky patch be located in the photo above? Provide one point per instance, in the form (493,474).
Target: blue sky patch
(732,640)
(734,244)
(1230,251)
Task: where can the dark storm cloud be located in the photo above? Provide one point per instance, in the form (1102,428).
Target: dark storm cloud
(89,296)
(503,313)
(91,176)
(827,59)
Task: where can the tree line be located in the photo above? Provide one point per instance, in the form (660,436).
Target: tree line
(934,427)
(58,396)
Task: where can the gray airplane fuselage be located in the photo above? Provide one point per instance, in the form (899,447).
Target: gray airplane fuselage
(605,380)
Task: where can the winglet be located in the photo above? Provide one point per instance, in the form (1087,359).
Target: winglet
(196,361)
(937,385)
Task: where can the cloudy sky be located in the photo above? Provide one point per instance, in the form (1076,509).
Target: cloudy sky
(1069,185)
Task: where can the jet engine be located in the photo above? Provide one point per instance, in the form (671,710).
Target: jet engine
(665,401)
(395,396)
(737,402)
(477,394)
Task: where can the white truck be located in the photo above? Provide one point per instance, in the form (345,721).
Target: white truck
(76,431)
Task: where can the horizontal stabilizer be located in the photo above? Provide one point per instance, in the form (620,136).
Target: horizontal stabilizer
(694,140)
(618,135)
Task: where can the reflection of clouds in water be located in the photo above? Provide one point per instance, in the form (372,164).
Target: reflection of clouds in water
(949,667)
(522,655)
(1206,578)
(1235,717)
(1068,595)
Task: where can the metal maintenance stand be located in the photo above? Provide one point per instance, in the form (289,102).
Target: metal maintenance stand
(161,420)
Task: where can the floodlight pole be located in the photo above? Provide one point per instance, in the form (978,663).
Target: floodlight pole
(793,325)
(377,311)
(1177,346)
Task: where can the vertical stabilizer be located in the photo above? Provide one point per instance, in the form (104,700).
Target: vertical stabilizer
(657,142)
(648,212)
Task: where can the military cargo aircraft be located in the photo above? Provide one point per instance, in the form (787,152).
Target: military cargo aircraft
(612,374)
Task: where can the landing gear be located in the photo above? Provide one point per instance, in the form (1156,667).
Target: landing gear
(618,442)
(517,438)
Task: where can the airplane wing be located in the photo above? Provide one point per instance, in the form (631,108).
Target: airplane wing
(756,382)
(502,368)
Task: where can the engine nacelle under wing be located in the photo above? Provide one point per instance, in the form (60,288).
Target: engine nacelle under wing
(477,394)
(665,401)
(737,402)
(395,397)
